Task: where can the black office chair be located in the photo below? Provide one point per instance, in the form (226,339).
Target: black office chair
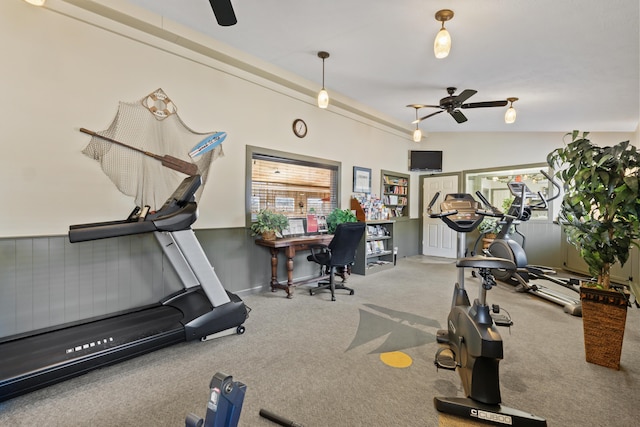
(340,253)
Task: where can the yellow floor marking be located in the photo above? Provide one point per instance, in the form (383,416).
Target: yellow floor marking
(396,359)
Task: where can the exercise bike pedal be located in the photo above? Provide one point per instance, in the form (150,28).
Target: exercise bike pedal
(502,320)
(442,336)
(498,318)
(445,359)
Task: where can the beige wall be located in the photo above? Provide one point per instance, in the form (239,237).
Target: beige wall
(64,68)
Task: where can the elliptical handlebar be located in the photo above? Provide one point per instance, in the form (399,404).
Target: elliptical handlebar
(555,184)
(494,211)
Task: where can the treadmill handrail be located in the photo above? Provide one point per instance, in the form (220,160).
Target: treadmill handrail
(109,229)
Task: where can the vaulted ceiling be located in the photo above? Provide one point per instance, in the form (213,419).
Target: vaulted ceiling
(573,64)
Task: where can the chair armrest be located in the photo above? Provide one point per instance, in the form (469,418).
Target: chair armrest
(317,249)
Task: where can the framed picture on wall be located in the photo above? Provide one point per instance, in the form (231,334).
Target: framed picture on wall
(361,180)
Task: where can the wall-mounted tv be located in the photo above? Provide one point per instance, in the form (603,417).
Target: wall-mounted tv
(425,161)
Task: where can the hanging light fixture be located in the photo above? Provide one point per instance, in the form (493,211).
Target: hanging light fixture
(323,96)
(510,115)
(442,44)
(417,133)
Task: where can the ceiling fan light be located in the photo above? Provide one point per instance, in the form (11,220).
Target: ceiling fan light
(510,115)
(323,99)
(442,44)
(417,135)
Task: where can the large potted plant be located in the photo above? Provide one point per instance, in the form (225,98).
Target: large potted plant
(268,224)
(600,212)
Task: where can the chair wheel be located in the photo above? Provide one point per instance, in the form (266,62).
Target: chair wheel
(352,292)
(310,291)
(333,298)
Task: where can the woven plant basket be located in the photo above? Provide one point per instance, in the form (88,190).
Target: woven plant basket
(604,315)
(269,235)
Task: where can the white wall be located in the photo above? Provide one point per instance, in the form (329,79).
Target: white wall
(66,68)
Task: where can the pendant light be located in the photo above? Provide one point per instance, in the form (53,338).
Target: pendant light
(442,44)
(510,115)
(417,133)
(323,96)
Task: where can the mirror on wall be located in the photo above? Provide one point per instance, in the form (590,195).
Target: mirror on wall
(493,183)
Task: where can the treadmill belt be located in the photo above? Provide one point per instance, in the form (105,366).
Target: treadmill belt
(78,349)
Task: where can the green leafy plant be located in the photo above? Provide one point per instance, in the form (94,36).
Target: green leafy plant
(338,216)
(489,226)
(601,205)
(267,220)
(506,203)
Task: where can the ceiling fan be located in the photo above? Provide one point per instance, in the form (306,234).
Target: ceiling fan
(223,10)
(452,105)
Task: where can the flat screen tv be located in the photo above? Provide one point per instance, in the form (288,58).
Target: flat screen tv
(425,161)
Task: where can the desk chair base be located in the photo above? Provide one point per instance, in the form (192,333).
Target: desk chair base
(331,285)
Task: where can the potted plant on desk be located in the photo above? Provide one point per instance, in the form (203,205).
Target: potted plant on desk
(338,216)
(268,223)
(600,212)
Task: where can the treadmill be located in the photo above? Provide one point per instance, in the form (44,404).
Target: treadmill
(201,310)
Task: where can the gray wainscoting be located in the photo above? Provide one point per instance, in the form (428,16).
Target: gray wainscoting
(48,281)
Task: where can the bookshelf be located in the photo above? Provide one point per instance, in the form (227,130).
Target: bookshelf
(375,251)
(395,193)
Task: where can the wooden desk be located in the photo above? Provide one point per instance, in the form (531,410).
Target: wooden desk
(290,246)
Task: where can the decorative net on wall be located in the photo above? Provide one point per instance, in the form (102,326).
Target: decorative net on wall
(152,125)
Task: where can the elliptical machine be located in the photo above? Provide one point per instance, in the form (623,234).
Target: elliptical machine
(503,246)
(473,343)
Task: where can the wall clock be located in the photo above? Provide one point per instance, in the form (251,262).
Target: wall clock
(299,128)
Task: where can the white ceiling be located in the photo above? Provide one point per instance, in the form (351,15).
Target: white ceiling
(574,64)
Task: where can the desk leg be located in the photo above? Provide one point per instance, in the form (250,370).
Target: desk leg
(291,253)
(274,269)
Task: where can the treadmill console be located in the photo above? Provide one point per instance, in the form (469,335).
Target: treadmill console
(182,195)
(178,213)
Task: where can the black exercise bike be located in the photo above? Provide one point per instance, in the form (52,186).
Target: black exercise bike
(472,344)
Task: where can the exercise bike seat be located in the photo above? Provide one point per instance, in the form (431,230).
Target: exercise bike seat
(485,262)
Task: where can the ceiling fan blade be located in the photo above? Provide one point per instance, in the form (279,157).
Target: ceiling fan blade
(464,95)
(223,10)
(458,116)
(484,104)
(426,117)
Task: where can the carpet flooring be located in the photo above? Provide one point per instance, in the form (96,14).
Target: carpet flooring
(319,363)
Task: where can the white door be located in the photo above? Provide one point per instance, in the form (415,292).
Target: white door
(437,238)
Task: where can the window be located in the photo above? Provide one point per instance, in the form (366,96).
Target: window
(290,184)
